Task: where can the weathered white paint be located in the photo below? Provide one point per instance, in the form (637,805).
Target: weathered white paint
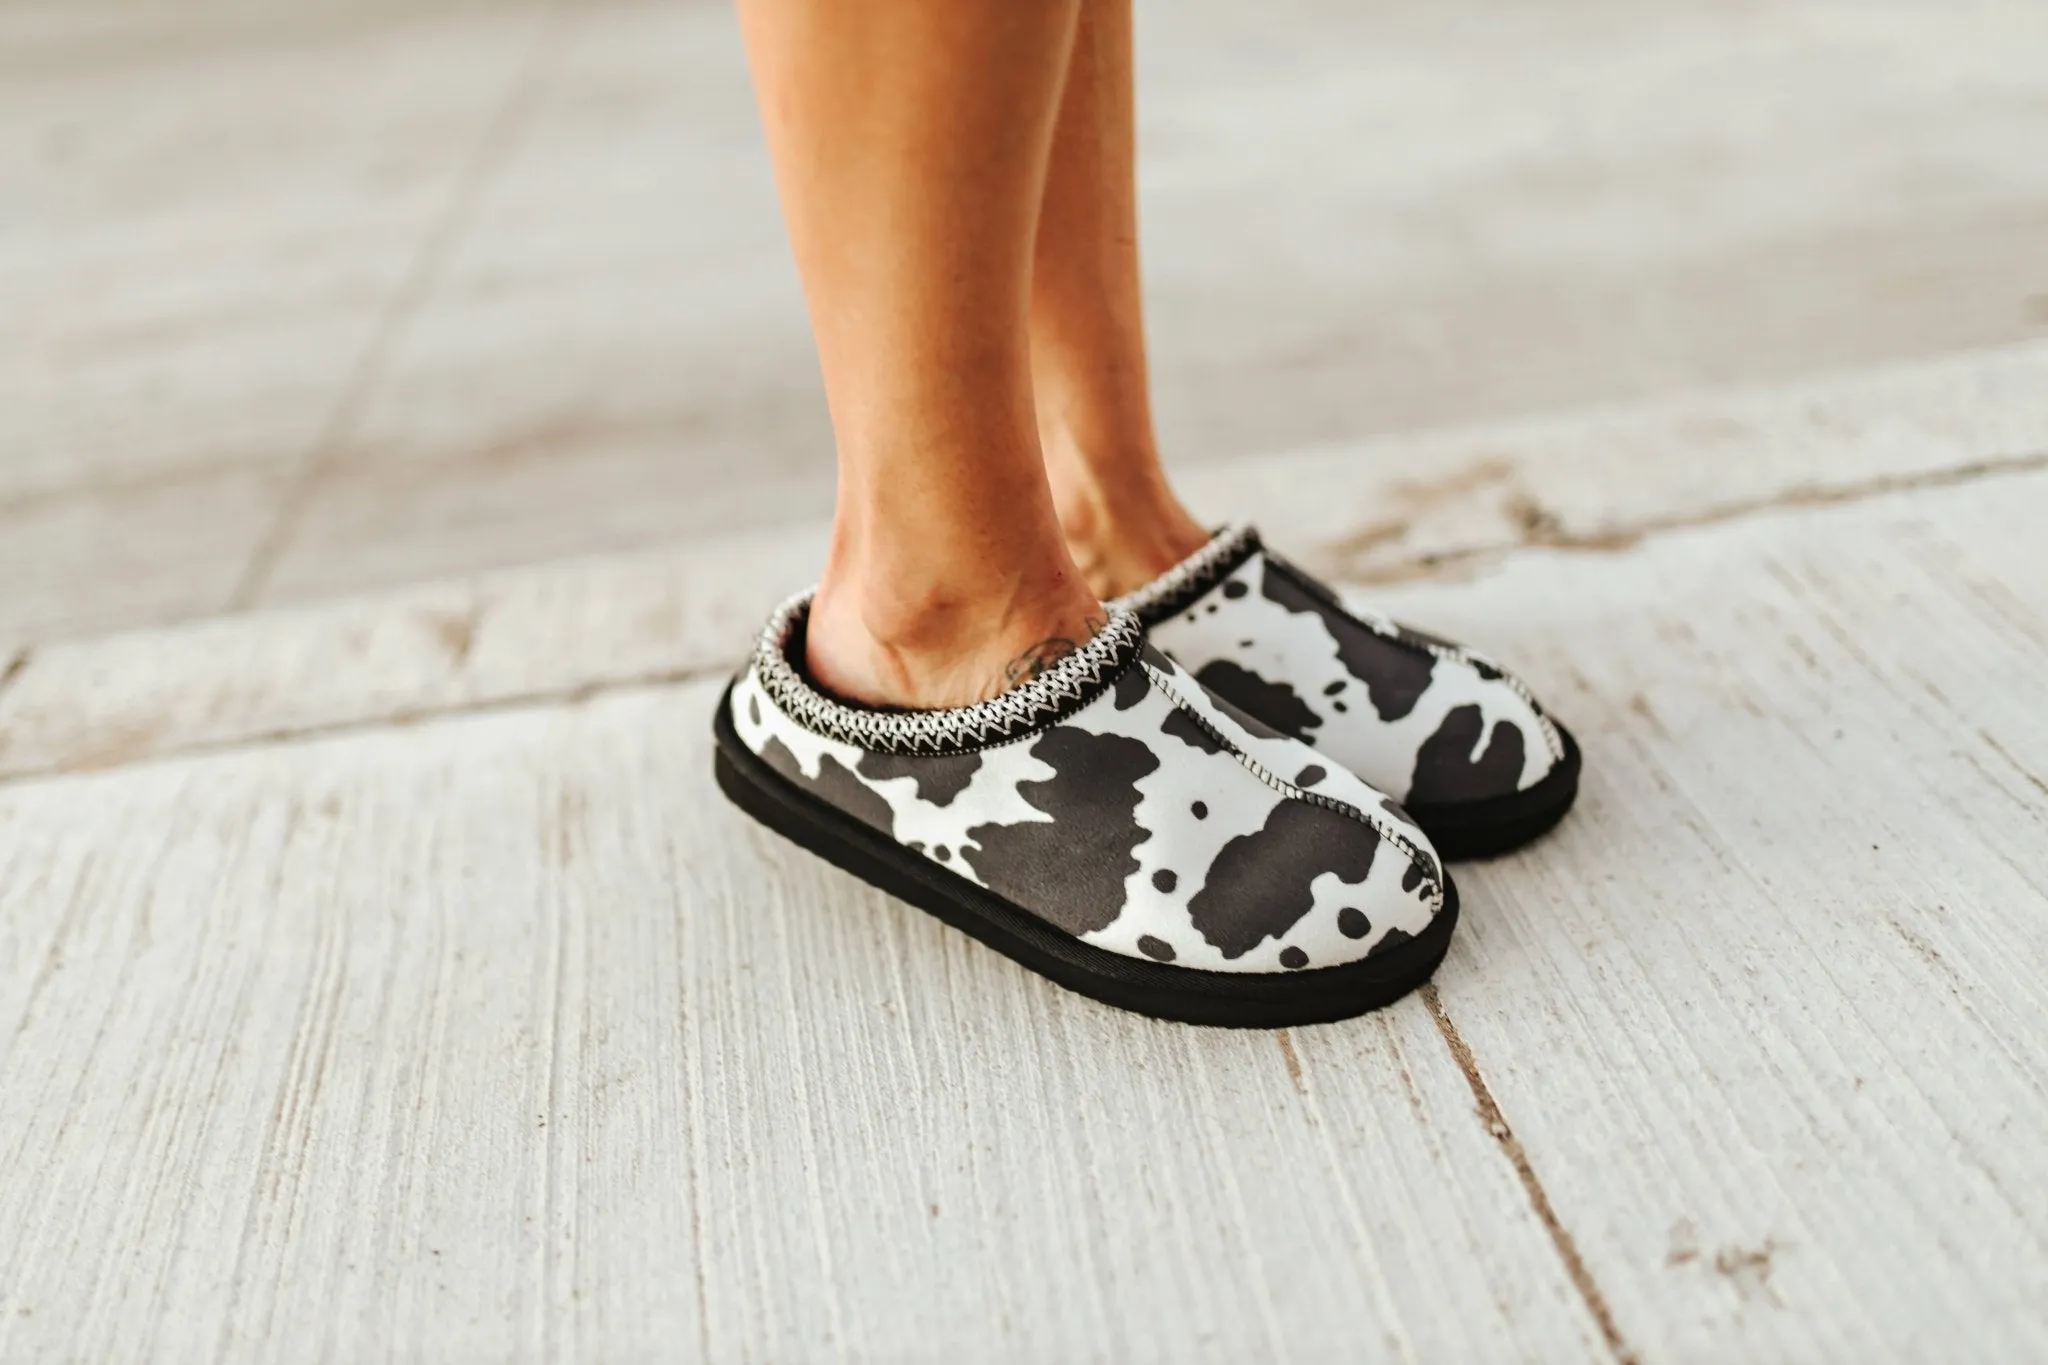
(1598,479)
(1768,1013)
(444,1036)
(502,1035)
(506,1037)
(402,655)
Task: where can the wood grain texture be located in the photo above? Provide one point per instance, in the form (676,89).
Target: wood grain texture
(500,1035)
(401,987)
(1600,480)
(399,656)
(505,1037)
(1765,1011)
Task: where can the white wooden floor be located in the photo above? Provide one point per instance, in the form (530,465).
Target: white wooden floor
(386,977)
(404,438)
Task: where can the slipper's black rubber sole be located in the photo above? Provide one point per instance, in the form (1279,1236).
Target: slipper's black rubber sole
(1184,994)
(1487,829)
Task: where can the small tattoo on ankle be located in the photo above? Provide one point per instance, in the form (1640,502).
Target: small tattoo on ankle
(1038,660)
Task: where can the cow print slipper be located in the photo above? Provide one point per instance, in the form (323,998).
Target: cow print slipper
(1458,740)
(1109,825)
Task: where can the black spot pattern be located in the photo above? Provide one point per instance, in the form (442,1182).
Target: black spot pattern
(1235,589)
(1165,879)
(754,709)
(1413,877)
(1445,770)
(1310,775)
(1486,670)
(1352,923)
(939,777)
(1275,703)
(1158,949)
(1185,728)
(1394,939)
(1245,720)
(835,784)
(1293,958)
(1395,674)
(1200,809)
(1131,687)
(1071,869)
(1258,887)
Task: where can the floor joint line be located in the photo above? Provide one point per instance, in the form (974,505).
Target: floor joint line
(1627,536)
(401,719)
(1532,1186)
(413,289)
(12,669)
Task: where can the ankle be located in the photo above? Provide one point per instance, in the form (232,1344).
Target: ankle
(885,639)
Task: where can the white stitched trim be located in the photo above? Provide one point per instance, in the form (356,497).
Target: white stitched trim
(1074,678)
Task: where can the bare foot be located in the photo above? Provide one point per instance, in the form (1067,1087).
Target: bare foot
(882,645)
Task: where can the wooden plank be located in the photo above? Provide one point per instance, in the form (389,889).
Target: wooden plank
(647,1081)
(503,1036)
(1603,479)
(1598,480)
(1765,1013)
(450,645)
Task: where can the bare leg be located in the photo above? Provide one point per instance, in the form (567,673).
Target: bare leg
(910,140)
(1123,522)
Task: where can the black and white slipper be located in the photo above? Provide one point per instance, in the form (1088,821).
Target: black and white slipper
(1109,825)
(1453,736)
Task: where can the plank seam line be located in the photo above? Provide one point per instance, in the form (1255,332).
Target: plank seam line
(1541,530)
(12,669)
(1561,1239)
(422,272)
(403,718)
